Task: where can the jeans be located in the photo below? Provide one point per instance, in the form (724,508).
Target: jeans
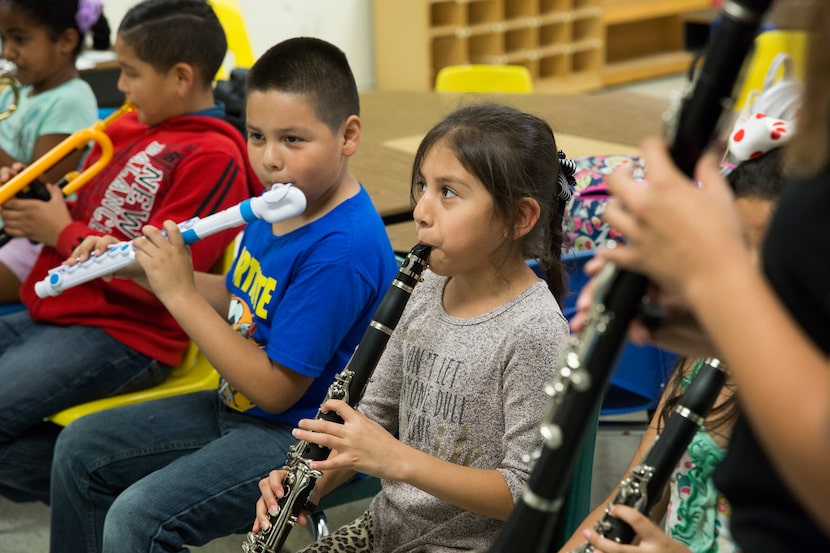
(44,369)
(157,476)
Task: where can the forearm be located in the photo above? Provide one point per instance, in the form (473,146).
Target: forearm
(480,491)
(212,288)
(773,364)
(5,159)
(241,362)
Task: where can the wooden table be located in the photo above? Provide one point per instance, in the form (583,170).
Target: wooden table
(394,122)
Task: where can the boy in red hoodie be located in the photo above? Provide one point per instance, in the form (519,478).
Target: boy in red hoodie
(175,158)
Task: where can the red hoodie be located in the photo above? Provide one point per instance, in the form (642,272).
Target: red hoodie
(188,166)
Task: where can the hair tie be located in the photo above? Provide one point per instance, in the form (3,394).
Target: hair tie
(757,134)
(567,182)
(89,12)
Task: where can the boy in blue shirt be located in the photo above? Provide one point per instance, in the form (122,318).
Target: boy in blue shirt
(184,470)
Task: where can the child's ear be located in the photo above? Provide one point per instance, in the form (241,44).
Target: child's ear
(185,76)
(351,135)
(68,40)
(526,217)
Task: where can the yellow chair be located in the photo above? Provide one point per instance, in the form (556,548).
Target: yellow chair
(194,373)
(239,45)
(769,44)
(510,79)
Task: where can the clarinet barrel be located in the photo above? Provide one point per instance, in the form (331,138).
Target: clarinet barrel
(349,385)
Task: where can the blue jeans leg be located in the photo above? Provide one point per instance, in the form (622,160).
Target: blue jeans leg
(44,369)
(161,475)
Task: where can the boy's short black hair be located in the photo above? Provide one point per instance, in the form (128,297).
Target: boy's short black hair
(166,32)
(314,68)
(762,177)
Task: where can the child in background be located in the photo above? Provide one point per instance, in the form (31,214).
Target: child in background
(298,298)
(697,513)
(43,39)
(454,402)
(175,158)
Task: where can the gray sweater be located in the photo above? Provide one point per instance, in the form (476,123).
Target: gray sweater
(469,391)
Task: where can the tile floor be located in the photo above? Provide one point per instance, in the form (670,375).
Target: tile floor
(24,528)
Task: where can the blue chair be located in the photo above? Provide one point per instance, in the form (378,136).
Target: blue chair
(6,308)
(641,372)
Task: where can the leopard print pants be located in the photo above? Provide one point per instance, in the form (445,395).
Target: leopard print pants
(355,537)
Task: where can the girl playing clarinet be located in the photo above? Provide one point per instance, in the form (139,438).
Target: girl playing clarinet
(456,398)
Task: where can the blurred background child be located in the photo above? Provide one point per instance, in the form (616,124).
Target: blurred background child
(43,39)
(174,158)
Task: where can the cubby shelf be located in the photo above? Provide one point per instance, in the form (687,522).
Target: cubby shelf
(568,45)
(644,38)
(559,41)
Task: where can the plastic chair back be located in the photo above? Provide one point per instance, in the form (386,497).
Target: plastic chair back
(193,375)
(239,45)
(510,79)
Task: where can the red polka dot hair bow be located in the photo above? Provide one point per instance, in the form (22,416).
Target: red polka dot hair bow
(756,134)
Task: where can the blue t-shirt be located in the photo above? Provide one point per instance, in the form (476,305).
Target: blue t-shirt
(308,296)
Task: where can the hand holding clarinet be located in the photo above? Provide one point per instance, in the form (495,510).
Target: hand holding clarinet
(338,427)
(358,445)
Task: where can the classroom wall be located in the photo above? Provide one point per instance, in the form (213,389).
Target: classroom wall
(346,23)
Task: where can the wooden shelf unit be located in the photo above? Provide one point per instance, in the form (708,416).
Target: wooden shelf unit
(644,38)
(559,41)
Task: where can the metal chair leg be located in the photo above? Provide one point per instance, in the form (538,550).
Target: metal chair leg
(318,525)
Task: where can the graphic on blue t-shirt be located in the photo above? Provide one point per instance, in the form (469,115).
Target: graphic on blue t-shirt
(248,276)
(241,319)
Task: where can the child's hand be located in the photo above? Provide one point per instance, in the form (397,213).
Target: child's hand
(272,492)
(678,330)
(652,539)
(92,246)
(676,231)
(358,444)
(7,172)
(166,261)
(37,220)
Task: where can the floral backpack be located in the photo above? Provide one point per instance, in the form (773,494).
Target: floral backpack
(583,226)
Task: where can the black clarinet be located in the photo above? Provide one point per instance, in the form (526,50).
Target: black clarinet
(587,362)
(643,487)
(349,385)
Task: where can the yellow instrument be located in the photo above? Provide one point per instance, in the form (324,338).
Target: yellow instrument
(76,141)
(8,72)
